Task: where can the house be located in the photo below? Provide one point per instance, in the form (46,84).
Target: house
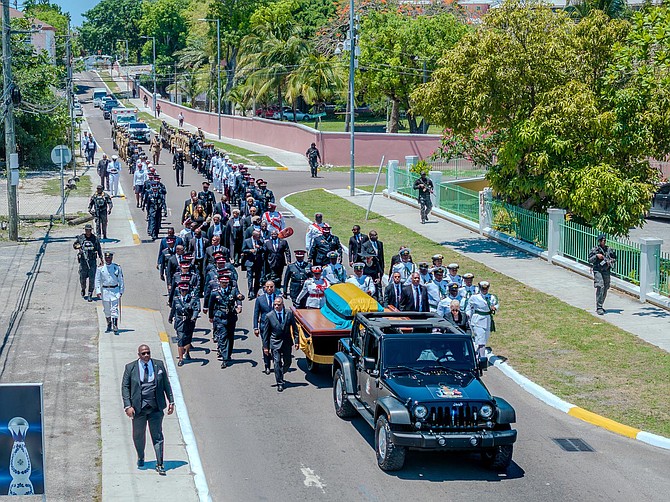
(44,38)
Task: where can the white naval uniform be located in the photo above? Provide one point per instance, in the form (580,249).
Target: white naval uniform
(109,284)
(444,306)
(466,292)
(480,322)
(334,273)
(364,283)
(114,171)
(406,269)
(315,291)
(436,291)
(313,231)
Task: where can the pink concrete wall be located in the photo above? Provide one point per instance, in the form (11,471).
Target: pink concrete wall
(334,146)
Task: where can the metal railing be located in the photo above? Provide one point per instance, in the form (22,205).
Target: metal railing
(578,240)
(404,181)
(662,285)
(523,224)
(457,169)
(458,200)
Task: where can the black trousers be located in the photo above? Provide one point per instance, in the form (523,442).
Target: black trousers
(87,271)
(224,334)
(154,418)
(282,359)
(179,174)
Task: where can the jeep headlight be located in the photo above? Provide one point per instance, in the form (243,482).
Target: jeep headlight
(420,412)
(486,411)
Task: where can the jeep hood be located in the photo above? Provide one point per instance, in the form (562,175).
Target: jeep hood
(443,387)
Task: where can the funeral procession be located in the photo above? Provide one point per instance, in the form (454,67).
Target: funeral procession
(350,250)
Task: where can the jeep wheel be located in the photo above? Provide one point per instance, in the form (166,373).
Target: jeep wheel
(390,457)
(343,408)
(312,367)
(498,458)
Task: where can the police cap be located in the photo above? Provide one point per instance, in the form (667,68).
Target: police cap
(423,265)
(316,269)
(359,266)
(332,254)
(469,275)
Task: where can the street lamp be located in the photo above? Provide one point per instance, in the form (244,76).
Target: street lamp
(153,68)
(126,61)
(218,68)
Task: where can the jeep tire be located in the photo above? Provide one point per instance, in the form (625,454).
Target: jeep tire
(390,457)
(498,458)
(343,408)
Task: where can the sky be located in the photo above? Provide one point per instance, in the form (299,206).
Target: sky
(76,8)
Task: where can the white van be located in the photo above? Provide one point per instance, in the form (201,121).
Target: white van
(98,94)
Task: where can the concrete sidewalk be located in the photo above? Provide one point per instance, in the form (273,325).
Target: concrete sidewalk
(290,160)
(646,321)
(121,479)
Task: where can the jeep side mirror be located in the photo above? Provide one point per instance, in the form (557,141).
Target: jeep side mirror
(483,364)
(369,363)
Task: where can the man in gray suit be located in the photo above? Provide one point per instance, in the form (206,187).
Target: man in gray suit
(277,339)
(144,389)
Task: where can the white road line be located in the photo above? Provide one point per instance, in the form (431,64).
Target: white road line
(186,428)
(312,479)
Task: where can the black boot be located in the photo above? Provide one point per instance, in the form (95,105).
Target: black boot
(115,326)
(109,325)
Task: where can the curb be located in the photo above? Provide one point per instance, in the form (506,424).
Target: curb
(540,392)
(575,411)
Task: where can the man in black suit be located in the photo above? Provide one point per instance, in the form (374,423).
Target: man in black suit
(279,325)
(248,220)
(356,242)
(393,292)
(233,237)
(374,247)
(264,304)
(197,247)
(277,255)
(216,228)
(414,296)
(252,250)
(144,390)
(213,248)
(223,208)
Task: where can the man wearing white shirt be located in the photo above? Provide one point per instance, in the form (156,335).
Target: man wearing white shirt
(313,231)
(114,172)
(140,176)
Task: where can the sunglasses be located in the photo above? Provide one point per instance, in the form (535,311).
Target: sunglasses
(145,353)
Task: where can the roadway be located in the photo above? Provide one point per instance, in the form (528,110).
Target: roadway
(258,444)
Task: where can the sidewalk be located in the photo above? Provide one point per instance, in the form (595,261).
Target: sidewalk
(643,320)
(290,160)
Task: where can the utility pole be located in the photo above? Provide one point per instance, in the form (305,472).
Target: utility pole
(70,94)
(11,157)
(218,68)
(353,63)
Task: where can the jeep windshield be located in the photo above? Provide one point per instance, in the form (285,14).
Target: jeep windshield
(428,353)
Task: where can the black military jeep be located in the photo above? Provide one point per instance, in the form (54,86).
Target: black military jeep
(415,379)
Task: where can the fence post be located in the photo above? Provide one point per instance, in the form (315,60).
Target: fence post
(554,232)
(485,216)
(650,250)
(436,178)
(410,162)
(391,168)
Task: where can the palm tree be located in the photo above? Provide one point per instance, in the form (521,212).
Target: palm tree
(615,9)
(318,79)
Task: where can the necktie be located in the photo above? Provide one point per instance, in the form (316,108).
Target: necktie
(146,373)
(417,298)
(271,300)
(397,294)
(280,316)
(275,244)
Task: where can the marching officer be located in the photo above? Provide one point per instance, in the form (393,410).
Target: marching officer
(468,289)
(452,274)
(184,274)
(207,198)
(266,196)
(274,218)
(322,245)
(334,272)
(184,312)
(363,282)
(109,287)
(480,311)
(178,166)
(89,248)
(437,288)
(314,290)
(155,205)
(295,276)
(100,206)
(225,303)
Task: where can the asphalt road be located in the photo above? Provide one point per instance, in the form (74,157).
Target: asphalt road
(257,444)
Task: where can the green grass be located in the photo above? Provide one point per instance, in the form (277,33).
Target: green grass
(84,187)
(359,170)
(587,362)
(368,188)
(107,79)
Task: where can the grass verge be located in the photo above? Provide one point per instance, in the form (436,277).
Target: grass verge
(589,363)
(84,187)
(113,86)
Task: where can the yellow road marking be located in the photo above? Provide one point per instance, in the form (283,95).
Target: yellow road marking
(163,336)
(603,422)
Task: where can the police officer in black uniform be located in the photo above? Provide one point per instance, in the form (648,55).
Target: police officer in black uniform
(178,166)
(425,187)
(602,259)
(89,248)
(100,206)
(324,244)
(207,198)
(225,303)
(184,312)
(155,205)
(296,274)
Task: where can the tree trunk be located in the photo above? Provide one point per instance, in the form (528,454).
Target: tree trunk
(411,120)
(395,113)
(281,103)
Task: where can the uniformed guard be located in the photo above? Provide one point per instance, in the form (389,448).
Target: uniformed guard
(405,266)
(481,309)
(468,289)
(178,166)
(334,272)
(207,198)
(424,273)
(225,304)
(295,276)
(424,185)
(322,245)
(184,274)
(314,290)
(437,288)
(274,218)
(362,281)
(453,293)
(100,206)
(266,196)
(184,312)
(155,206)
(109,287)
(602,259)
(89,248)
(452,274)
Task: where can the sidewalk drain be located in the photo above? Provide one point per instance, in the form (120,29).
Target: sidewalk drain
(573,444)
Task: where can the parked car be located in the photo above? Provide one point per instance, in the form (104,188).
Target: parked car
(107,107)
(139,131)
(266,113)
(288,115)
(98,94)
(78,111)
(660,204)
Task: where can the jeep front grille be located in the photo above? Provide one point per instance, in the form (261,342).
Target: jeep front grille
(456,417)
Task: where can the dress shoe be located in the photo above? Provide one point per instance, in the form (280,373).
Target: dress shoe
(600,311)
(266,371)
(109,327)
(160,469)
(251,296)
(180,363)
(83,293)
(187,356)
(140,463)
(224,365)
(280,387)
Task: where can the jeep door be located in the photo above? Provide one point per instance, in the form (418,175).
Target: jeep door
(368,376)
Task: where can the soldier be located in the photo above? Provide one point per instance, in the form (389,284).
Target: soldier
(89,248)
(602,259)
(314,230)
(425,187)
(296,275)
(481,309)
(424,273)
(314,290)
(178,166)
(452,274)
(225,303)
(265,196)
(437,260)
(314,159)
(184,312)
(155,206)
(109,287)
(363,282)
(207,198)
(114,171)
(102,171)
(437,288)
(334,272)
(155,149)
(322,245)
(274,218)
(468,289)
(100,206)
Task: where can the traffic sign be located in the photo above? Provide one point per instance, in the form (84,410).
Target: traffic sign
(61,153)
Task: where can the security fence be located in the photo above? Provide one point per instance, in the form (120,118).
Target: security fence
(523,224)
(459,200)
(662,286)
